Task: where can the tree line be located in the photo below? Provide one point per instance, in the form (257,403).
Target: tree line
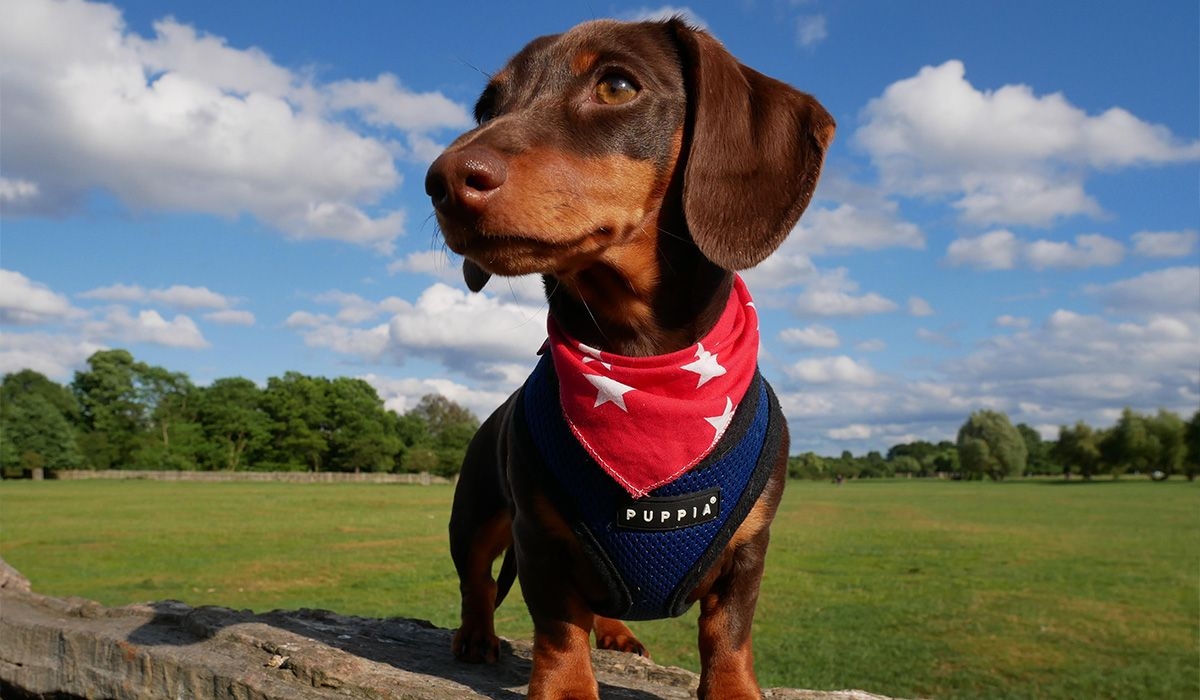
(123,414)
(989,446)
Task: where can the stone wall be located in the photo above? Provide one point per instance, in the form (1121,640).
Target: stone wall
(68,648)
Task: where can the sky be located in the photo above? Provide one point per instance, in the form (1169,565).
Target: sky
(1008,217)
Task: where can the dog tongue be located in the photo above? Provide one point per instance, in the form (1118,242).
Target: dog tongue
(648,420)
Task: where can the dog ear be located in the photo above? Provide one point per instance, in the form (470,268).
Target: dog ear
(474,275)
(754,155)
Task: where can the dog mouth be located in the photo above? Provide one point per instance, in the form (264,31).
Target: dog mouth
(511,254)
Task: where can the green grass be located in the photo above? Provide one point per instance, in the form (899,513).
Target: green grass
(938,590)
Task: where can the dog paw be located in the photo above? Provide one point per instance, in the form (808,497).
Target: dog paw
(626,643)
(476,647)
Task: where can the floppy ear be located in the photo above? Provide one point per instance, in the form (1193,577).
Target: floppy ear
(755,153)
(474,275)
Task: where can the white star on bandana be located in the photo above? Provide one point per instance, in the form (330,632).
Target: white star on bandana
(721,422)
(592,355)
(705,365)
(609,391)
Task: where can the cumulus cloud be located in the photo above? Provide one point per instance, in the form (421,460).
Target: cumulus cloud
(811,30)
(834,294)
(148,326)
(1175,289)
(1007,156)
(56,355)
(919,307)
(183,121)
(1165,244)
(840,369)
(815,336)
(1002,250)
(480,335)
(176,296)
(404,394)
(26,302)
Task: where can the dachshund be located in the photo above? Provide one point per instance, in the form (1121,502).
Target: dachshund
(636,167)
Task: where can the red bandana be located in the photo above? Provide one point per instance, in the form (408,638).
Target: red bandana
(648,420)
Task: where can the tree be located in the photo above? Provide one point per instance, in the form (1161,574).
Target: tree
(450,427)
(298,407)
(34,427)
(1077,449)
(1129,445)
(1037,451)
(989,445)
(172,438)
(362,437)
(235,426)
(1169,431)
(1191,439)
(110,413)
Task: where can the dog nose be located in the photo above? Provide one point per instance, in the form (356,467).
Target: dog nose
(465,178)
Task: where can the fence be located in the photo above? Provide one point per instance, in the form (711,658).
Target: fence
(424,478)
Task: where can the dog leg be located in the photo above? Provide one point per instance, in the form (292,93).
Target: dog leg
(474,550)
(562,661)
(726,657)
(615,635)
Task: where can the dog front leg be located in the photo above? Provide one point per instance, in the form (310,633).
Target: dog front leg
(726,614)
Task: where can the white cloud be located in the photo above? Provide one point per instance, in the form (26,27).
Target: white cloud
(183,121)
(1165,244)
(385,102)
(25,302)
(811,30)
(1089,250)
(833,293)
(1175,289)
(401,395)
(16,191)
(853,226)
(177,296)
(55,355)
(919,307)
(996,250)
(1002,250)
(815,336)
(1008,321)
(231,317)
(840,369)
(855,431)
(147,326)
(1008,155)
(476,334)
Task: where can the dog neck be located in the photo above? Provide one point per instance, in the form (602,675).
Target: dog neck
(651,297)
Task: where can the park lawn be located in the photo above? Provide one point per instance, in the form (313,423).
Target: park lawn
(1032,589)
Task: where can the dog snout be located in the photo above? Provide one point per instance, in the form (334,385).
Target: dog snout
(462,181)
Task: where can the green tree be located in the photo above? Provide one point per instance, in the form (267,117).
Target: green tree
(362,438)
(1037,450)
(989,445)
(111,415)
(172,438)
(1191,440)
(35,429)
(808,465)
(298,406)
(1129,445)
(235,426)
(1169,431)
(451,428)
(1077,450)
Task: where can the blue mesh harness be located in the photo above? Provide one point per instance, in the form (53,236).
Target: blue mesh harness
(652,552)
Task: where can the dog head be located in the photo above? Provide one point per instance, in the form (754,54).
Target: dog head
(594,143)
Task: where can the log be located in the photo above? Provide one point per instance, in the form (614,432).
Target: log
(67,648)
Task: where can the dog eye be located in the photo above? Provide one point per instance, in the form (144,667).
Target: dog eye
(615,90)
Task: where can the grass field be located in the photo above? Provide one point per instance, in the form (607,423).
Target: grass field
(935,590)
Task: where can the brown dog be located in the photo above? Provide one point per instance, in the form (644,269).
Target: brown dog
(634,166)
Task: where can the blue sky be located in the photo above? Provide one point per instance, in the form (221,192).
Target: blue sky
(1008,217)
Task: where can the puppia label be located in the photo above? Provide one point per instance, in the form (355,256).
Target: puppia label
(670,512)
